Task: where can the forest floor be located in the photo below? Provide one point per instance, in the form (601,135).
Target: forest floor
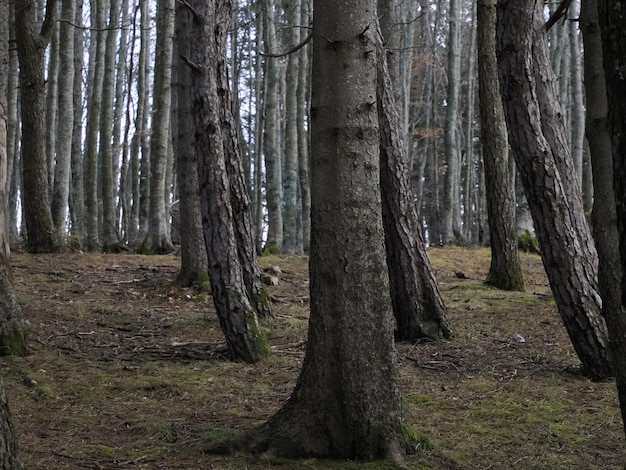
(128,371)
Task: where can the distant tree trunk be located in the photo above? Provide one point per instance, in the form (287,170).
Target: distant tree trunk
(61,184)
(612,20)
(346,403)
(158,238)
(77,193)
(193,259)
(238,318)
(304,79)
(290,173)
(110,242)
(97,52)
(505,271)
(537,137)
(451,199)
(271,147)
(417,303)
(51,106)
(31,45)
(13,129)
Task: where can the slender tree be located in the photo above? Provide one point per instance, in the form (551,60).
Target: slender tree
(31,44)
(193,260)
(537,137)
(417,304)
(612,20)
(505,271)
(238,317)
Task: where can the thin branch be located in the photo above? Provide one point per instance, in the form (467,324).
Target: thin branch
(295,48)
(558,13)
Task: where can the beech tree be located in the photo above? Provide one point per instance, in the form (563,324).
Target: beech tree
(346,403)
(537,138)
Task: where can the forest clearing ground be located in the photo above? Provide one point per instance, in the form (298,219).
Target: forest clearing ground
(129,371)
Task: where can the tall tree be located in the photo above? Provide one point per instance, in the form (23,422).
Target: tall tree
(612,20)
(451,210)
(193,259)
(238,317)
(417,304)
(505,271)
(346,403)
(31,44)
(537,137)
(158,239)
(65,129)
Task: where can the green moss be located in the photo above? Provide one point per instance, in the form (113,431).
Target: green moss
(261,343)
(415,441)
(202,281)
(528,243)
(211,434)
(143,249)
(14,344)
(419,400)
(271,249)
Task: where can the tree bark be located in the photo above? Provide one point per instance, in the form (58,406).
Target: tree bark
(612,21)
(346,403)
(193,259)
(417,304)
(238,318)
(31,45)
(537,137)
(505,271)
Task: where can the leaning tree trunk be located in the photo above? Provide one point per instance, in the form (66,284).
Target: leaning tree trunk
(346,403)
(613,28)
(238,318)
(417,303)
(537,137)
(31,45)
(505,271)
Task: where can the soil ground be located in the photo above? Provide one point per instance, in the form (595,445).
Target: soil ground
(129,371)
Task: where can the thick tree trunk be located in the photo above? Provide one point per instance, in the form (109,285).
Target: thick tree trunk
(346,403)
(505,271)
(417,304)
(238,318)
(193,260)
(537,137)
(612,21)
(31,45)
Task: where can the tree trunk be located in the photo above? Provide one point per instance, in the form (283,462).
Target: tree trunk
(417,304)
(110,242)
(193,260)
(451,200)
(158,237)
(346,403)
(612,21)
(238,319)
(61,185)
(51,106)
(537,137)
(271,147)
(31,46)
(505,271)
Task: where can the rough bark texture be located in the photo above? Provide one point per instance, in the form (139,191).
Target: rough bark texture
(612,21)
(346,403)
(417,304)
(31,45)
(193,255)
(537,137)
(238,318)
(505,271)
